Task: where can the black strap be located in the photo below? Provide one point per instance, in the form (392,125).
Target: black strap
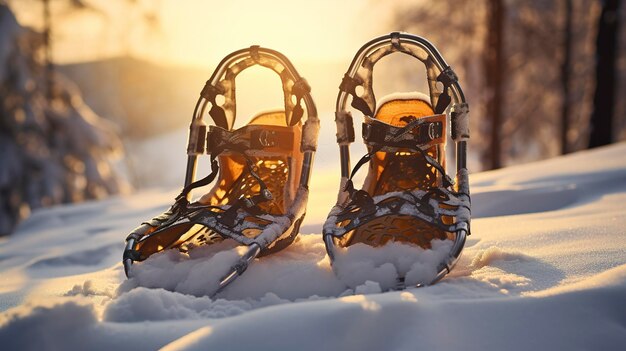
(376,132)
(216,112)
(447,77)
(299,90)
(349,187)
(219,139)
(182,203)
(396,137)
(181,199)
(446,180)
(349,84)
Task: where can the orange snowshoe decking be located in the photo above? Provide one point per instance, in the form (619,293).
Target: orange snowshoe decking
(402,170)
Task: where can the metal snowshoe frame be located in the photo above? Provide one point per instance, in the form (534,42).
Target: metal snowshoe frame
(230,220)
(452,199)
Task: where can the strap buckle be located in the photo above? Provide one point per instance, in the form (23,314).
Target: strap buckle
(366,131)
(431,131)
(266,138)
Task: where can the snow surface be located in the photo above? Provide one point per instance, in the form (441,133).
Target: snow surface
(544,269)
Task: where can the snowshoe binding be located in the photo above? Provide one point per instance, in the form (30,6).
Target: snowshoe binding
(260,171)
(407,196)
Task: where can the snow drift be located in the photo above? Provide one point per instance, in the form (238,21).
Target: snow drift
(544,269)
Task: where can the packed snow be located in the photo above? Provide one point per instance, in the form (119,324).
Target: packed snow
(544,269)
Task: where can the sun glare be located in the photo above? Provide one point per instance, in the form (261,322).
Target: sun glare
(311,30)
(200,32)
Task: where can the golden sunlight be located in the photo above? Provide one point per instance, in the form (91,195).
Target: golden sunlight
(199,32)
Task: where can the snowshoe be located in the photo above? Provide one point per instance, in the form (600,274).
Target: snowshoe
(260,171)
(407,196)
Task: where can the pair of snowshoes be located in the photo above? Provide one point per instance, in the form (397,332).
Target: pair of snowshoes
(261,171)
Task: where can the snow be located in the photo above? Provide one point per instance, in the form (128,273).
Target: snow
(363,263)
(411,95)
(197,273)
(544,269)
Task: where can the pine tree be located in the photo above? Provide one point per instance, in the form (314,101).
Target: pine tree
(51,150)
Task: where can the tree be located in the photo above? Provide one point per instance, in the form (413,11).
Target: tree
(565,75)
(601,122)
(51,150)
(526,67)
(47,35)
(494,71)
(47,41)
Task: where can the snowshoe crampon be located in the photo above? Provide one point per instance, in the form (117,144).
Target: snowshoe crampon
(407,196)
(260,171)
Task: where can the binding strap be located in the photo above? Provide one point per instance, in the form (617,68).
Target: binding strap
(425,132)
(251,138)
(403,137)
(270,139)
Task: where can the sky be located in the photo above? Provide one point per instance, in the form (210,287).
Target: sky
(195,32)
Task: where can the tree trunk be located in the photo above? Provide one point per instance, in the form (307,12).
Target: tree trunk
(565,75)
(494,69)
(47,33)
(606,54)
